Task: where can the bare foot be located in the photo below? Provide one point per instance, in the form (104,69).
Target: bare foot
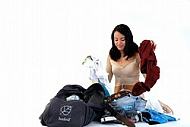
(166,108)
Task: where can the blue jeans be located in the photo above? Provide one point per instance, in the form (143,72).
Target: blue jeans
(132,103)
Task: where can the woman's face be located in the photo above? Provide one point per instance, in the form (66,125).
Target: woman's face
(119,40)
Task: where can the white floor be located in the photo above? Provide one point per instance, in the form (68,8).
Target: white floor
(169,124)
(43,44)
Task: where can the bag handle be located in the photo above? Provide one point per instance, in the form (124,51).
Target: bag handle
(116,96)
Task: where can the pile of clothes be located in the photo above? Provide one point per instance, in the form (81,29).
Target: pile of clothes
(149,111)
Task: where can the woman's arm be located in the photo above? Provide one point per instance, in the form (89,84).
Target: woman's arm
(139,63)
(109,69)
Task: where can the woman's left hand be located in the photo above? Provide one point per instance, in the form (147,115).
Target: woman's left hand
(153,45)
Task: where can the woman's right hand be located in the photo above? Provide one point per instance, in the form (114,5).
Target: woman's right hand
(153,45)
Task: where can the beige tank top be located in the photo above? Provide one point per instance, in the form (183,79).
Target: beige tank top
(127,74)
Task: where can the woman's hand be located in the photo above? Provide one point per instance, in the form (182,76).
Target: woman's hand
(153,45)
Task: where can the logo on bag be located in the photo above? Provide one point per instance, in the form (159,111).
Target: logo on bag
(65,111)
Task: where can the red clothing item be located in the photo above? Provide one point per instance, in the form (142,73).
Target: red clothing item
(148,66)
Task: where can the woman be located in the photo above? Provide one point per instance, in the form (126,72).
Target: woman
(124,61)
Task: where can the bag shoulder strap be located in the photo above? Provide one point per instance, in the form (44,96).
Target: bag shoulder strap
(70,89)
(116,96)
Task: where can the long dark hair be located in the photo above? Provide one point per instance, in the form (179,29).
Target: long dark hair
(130,47)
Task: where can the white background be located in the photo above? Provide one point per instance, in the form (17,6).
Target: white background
(43,43)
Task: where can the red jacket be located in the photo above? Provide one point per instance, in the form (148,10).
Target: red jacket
(148,66)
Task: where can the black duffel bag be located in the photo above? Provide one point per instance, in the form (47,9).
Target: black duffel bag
(60,112)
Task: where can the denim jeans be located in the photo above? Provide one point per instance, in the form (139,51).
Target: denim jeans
(132,103)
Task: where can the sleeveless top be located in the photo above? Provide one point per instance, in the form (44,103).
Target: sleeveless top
(127,74)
